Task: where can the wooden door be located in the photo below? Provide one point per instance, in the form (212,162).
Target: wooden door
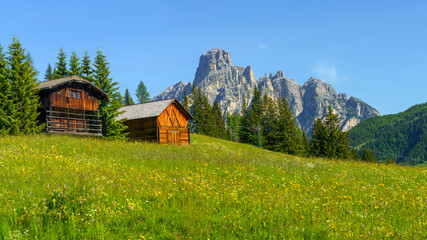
(173,137)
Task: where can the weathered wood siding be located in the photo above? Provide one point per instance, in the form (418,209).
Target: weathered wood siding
(142,129)
(63,98)
(173,126)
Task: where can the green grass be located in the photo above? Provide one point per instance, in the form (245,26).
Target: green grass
(61,187)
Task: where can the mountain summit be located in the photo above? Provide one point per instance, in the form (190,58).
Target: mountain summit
(228,84)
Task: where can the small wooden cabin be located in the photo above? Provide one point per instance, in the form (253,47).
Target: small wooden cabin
(164,121)
(70,105)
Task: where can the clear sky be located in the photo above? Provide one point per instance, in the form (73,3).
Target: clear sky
(373,50)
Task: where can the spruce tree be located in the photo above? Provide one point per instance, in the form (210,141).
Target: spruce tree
(6,107)
(255,111)
(86,69)
(48,74)
(337,143)
(233,126)
(289,138)
(269,123)
(75,68)
(25,97)
(127,99)
(185,100)
(108,108)
(221,131)
(305,144)
(61,70)
(245,130)
(318,141)
(141,93)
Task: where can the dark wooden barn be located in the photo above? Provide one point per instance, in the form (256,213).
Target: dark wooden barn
(164,121)
(70,105)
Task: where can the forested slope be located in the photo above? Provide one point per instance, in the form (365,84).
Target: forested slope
(401,136)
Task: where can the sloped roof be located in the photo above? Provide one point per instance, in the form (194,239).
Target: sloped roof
(147,110)
(65,80)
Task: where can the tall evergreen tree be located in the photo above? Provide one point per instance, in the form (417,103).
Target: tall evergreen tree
(127,99)
(185,100)
(48,74)
(86,69)
(6,104)
(289,138)
(142,93)
(220,129)
(270,123)
(337,143)
(61,70)
(245,130)
(75,68)
(108,108)
(305,144)
(233,126)
(319,138)
(255,111)
(24,95)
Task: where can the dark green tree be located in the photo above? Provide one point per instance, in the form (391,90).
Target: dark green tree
(354,155)
(220,130)
(185,100)
(108,108)
(319,138)
(6,104)
(127,99)
(86,69)
(75,68)
(337,143)
(48,74)
(141,93)
(305,144)
(289,137)
(24,96)
(255,111)
(245,130)
(61,70)
(368,155)
(270,123)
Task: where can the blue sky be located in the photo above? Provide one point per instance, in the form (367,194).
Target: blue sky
(373,50)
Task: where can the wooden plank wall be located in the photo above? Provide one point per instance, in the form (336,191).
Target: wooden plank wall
(142,129)
(173,126)
(62,98)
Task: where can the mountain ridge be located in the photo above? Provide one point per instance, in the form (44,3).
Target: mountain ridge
(228,85)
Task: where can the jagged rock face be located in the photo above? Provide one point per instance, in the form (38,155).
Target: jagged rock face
(228,84)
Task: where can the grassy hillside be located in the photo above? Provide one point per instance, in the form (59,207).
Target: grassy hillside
(401,136)
(59,187)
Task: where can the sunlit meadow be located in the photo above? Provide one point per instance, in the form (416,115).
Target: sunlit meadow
(61,187)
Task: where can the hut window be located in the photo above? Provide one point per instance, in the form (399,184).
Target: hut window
(75,94)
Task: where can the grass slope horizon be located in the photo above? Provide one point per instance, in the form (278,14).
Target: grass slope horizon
(401,136)
(73,188)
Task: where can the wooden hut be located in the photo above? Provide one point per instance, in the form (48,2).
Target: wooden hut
(70,105)
(164,121)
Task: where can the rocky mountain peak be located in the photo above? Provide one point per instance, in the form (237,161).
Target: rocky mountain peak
(212,61)
(228,84)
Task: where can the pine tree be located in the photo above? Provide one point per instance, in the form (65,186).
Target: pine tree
(289,138)
(221,131)
(127,100)
(48,75)
(185,100)
(75,68)
(233,126)
(6,107)
(318,141)
(60,70)
(86,69)
(25,98)
(269,123)
(141,93)
(337,143)
(108,108)
(305,144)
(207,122)
(255,111)
(245,130)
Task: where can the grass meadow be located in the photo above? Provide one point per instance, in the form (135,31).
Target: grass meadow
(62,187)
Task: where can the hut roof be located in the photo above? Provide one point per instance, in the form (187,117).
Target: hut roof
(51,84)
(148,109)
